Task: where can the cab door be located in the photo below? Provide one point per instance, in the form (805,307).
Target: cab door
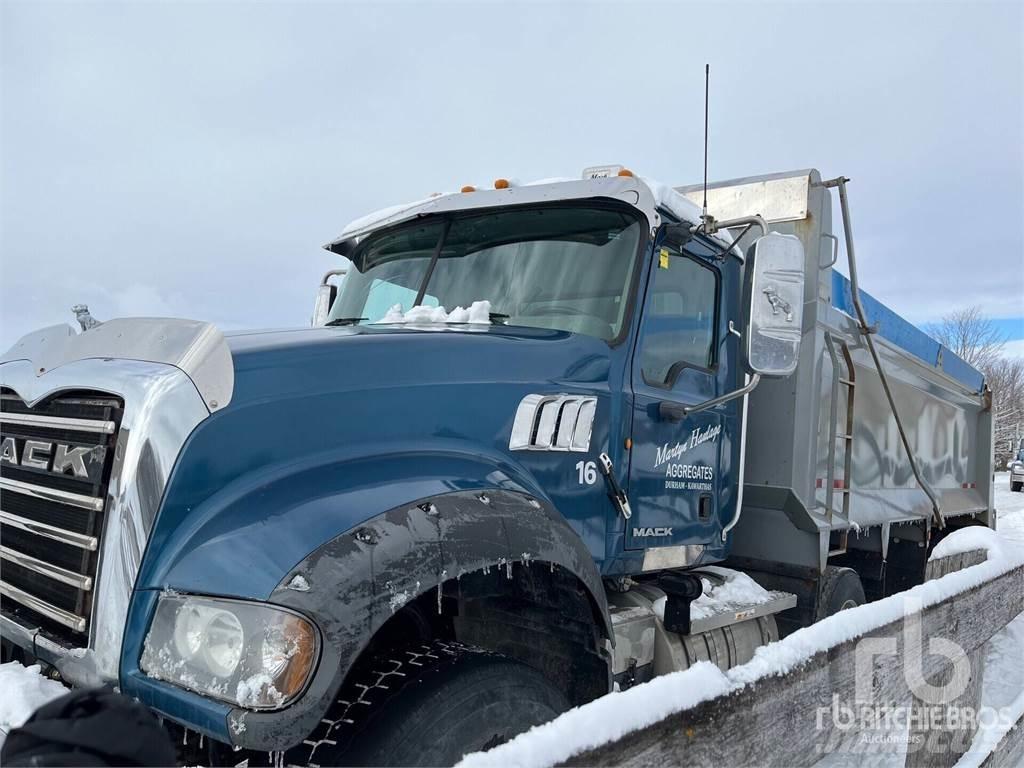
(676,462)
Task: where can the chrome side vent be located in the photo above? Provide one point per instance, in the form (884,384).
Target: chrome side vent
(553,423)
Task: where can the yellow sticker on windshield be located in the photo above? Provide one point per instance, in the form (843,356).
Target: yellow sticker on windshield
(663,259)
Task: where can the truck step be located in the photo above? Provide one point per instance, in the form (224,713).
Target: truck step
(732,613)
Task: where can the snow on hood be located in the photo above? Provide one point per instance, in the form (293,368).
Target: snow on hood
(478,312)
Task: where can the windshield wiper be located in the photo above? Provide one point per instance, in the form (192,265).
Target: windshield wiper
(345,321)
(495,316)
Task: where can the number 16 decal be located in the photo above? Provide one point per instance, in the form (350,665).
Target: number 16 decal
(587,471)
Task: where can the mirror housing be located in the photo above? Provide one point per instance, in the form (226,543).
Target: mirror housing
(326,293)
(773,294)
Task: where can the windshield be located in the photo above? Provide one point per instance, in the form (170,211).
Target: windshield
(565,268)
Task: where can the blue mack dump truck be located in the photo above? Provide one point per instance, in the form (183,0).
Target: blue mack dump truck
(637,435)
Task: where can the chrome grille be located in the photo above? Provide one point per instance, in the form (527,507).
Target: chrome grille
(55,463)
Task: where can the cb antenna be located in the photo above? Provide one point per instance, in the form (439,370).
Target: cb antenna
(707,85)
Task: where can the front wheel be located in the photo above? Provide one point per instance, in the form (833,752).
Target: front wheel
(433,704)
(1015,487)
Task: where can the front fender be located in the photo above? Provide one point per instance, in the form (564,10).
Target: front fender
(363,533)
(357,581)
(242,540)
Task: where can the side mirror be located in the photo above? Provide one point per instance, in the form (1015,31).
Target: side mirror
(1009,464)
(326,293)
(773,293)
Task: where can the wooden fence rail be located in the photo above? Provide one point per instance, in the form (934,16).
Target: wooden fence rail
(788,720)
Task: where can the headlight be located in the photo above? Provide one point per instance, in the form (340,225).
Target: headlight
(254,655)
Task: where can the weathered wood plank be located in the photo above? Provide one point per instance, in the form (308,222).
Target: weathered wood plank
(1009,752)
(788,720)
(939,744)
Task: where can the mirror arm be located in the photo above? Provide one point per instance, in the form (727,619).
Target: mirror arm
(710,227)
(331,273)
(322,306)
(670,411)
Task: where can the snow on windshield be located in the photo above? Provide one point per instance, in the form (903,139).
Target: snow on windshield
(478,312)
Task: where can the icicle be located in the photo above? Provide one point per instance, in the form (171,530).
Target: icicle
(552,566)
(508,569)
(200,741)
(184,738)
(440,584)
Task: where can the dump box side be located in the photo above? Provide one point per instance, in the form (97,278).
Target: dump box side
(823,450)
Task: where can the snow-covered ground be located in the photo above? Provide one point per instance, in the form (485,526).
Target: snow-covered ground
(22,689)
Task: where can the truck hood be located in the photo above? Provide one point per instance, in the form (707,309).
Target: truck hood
(329,426)
(300,362)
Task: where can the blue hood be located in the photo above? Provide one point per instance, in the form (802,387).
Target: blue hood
(330,426)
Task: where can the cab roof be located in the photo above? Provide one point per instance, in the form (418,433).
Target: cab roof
(651,198)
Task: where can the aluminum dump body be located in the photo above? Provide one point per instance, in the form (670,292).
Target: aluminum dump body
(823,451)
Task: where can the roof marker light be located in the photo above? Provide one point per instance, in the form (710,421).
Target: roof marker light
(469,188)
(501,184)
(624,172)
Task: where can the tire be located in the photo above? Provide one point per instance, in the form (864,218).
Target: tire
(840,589)
(430,706)
(1015,487)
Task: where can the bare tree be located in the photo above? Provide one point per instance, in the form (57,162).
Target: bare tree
(971,335)
(1006,380)
(976,339)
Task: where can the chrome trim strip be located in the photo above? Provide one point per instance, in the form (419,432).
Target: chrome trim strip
(62,535)
(52,494)
(58,422)
(162,406)
(679,556)
(68,619)
(49,570)
(19,634)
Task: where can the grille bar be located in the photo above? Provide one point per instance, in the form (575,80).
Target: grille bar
(58,422)
(62,535)
(52,612)
(49,570)
(51,520)
(52,494)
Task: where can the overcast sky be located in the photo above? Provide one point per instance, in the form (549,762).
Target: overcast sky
(189,159)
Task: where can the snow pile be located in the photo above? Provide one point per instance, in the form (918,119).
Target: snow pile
(738,591)
(612,716)
(970,539)
(22,691)
(478,312)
